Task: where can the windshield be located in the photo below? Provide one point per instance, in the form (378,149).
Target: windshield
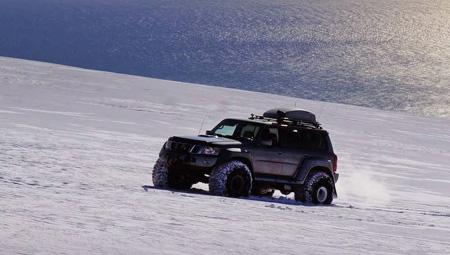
(237,129)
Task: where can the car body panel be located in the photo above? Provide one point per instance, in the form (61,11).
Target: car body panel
(265,160)
(275,166)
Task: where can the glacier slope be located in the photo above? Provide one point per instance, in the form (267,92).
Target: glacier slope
(77,147)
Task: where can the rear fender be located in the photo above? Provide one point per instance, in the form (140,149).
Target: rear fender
(312,165)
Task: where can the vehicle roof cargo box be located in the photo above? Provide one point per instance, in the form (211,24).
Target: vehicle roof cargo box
(291,114)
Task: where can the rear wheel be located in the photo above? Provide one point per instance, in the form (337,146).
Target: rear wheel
(318,189)
(232,179)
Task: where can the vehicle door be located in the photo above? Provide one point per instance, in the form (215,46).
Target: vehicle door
(291,155)
(266,153)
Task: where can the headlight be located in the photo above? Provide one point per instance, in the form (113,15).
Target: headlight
(205,150)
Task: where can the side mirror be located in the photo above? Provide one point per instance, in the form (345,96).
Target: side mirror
(209,132)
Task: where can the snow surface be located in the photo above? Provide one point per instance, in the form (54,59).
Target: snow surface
(77,148)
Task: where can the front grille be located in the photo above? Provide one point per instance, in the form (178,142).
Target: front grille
(180,147)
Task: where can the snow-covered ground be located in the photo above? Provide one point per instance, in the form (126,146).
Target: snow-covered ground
(77,149)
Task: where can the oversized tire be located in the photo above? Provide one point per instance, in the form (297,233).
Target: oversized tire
(160,174)
(317,189)
(163,178)
(232,179)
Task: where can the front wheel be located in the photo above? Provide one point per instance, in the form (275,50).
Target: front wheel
(232,179)
(318,189)
(164,178)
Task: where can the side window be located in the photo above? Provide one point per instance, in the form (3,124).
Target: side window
(249,131)
(269,137)
(274,136)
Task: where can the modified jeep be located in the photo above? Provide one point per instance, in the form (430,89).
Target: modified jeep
(284,149)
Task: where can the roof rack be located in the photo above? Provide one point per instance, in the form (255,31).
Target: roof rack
(289,117)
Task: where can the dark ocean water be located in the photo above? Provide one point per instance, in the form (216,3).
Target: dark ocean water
(391,54)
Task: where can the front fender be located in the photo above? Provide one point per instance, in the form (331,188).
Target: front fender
(241,154)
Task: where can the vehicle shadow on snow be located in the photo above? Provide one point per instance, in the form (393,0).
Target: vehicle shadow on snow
(278,200)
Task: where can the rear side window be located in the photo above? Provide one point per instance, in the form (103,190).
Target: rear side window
(289,138)
(311,140)
(303,139)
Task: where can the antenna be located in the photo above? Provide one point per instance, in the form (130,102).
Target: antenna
(203,122)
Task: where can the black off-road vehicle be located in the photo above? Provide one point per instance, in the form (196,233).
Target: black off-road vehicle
(284,149)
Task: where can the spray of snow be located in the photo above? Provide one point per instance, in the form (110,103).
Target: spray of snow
(359,184)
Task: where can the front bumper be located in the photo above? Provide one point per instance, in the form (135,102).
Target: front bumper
(188,161)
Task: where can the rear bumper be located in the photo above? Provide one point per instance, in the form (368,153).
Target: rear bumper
(336,177)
